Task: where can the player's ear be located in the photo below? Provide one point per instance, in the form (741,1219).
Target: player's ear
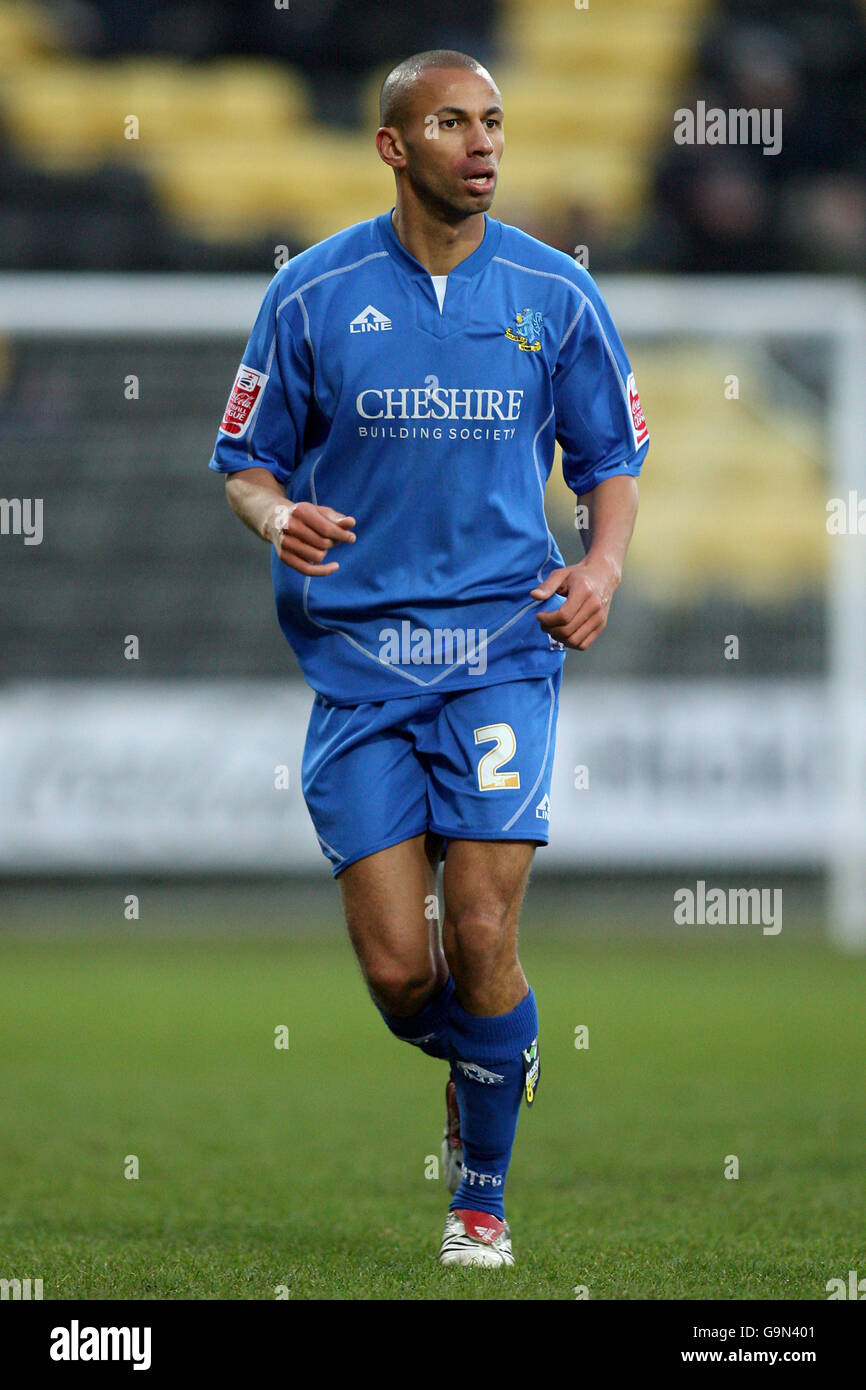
(390,146)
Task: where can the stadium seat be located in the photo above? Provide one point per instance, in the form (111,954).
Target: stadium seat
(25,35)
(62,113)
(565,112)
(568,42)
(733,497)
(73,113)
(306,182)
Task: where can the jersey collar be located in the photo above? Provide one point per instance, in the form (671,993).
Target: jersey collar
(482,254)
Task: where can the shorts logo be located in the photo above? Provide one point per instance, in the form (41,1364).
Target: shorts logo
(370,320)
(542,810)
(638,423)
(245,396)
(526,332)
(476,1073)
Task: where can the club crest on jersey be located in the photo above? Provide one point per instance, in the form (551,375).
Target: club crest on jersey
(246,392)
(638,423)
(526,331)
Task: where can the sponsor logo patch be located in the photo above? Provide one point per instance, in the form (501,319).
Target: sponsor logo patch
(542,810)
(246,393)
(638,423)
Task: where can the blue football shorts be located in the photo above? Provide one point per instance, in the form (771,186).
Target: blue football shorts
(470,765)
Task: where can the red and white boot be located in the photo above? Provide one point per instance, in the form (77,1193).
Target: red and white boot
(475,1238)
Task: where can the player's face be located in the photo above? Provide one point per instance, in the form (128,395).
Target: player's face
(452,141)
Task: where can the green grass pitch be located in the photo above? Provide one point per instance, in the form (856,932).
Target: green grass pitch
(304,1168)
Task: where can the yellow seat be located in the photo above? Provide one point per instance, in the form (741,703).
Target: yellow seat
(66,112)
(614,180)
(568,112)
(733,494)
(62,112)
(26,34)
(243,100)
(568,43)
(301,182)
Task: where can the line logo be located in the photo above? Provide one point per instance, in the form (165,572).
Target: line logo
(370,320)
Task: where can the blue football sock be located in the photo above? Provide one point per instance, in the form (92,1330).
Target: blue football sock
(488,1071)
(427,1029)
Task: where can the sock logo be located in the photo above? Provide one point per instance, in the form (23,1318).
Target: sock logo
(475,1179)
(531,1070)
(480,1074)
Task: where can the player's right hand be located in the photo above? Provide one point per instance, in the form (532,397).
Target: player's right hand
(303,533)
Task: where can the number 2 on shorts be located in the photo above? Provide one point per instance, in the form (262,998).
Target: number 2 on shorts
(489,777)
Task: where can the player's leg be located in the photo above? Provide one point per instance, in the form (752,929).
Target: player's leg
(389,902)
(493,1023)
(367,795)
(492,804)
(484,886)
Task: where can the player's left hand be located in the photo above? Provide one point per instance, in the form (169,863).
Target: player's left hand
(588,589)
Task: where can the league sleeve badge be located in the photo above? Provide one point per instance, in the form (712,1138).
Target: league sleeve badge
(248,387)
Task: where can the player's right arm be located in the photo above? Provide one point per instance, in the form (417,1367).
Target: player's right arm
(300,532)
(259,444)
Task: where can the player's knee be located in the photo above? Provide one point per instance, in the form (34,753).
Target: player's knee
(399,987)
(477,940)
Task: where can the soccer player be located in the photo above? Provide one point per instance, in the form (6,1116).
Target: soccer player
(389,435)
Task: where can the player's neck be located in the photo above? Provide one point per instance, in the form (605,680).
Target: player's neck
(438,246)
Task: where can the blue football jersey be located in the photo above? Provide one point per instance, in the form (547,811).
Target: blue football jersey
(435,429)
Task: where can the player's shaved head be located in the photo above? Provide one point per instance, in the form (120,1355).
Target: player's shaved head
(395,96)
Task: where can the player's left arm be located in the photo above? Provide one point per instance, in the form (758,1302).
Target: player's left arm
(604,438)
(589,587)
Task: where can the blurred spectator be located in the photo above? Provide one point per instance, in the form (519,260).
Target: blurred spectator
(735,208)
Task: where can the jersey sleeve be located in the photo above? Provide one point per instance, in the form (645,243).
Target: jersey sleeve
(265,417)
(599,420)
